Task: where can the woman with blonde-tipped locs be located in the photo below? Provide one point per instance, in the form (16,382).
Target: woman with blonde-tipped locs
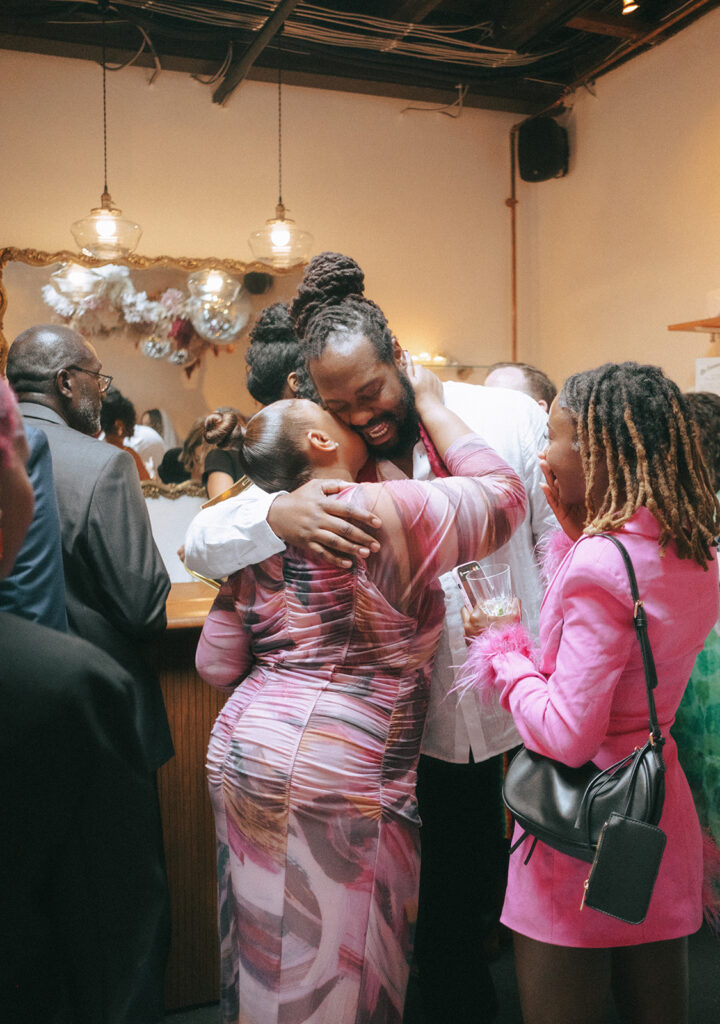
(623,458)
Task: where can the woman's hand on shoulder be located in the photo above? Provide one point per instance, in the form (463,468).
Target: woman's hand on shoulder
(311,518)
(427,387)
(477,621)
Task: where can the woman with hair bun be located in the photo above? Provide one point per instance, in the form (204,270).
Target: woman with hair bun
(275,370)
(312,761)
(361,375)
(275,363)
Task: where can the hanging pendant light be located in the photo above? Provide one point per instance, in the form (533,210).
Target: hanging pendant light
(629,6)
(105,233)
(280,243)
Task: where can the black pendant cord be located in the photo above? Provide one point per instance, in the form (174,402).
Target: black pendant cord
(280,55)
(103,5)
(104,69)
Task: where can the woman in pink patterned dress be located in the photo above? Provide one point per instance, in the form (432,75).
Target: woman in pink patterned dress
(312,761)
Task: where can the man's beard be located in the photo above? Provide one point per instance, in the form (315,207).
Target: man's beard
(406,422)
(86,416)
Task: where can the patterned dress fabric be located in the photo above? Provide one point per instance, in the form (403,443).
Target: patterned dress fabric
(312,762)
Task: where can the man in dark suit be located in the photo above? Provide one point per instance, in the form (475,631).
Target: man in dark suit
(115,579)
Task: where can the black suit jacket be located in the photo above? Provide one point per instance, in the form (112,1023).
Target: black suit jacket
(115,579)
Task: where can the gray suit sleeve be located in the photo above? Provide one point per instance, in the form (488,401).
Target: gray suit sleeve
(131,573)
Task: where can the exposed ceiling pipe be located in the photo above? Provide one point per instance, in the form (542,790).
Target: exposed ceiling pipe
(512,203)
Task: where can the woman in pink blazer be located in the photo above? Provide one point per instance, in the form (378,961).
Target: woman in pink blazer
(623,458)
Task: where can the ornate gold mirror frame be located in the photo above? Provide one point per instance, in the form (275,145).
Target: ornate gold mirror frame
(38,258)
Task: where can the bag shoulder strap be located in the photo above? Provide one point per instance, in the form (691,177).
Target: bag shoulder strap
(640,621)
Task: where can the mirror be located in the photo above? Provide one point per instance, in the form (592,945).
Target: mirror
(138,312)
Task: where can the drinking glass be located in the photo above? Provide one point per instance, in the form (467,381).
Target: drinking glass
(491,587)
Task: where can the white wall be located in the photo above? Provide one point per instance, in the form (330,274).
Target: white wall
(629,241)
(417,198)
(626,244)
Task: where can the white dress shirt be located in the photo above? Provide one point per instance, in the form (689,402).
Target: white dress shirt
(149,446)
(234,533)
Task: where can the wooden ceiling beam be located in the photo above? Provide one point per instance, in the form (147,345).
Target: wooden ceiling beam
(609,25)
(412,11)
(237,72)
(518,23)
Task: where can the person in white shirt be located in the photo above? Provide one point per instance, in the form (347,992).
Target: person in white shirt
(523,377)
(149,446)
(358,369)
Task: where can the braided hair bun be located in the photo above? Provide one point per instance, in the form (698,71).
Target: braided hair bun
(224,428)
(329,278)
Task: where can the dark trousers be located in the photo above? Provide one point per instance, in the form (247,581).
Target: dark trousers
(85,915)
(462,881)
(84,907)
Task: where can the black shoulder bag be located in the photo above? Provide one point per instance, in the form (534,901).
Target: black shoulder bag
(574,809)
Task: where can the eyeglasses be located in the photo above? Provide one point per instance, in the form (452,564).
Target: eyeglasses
(104,381)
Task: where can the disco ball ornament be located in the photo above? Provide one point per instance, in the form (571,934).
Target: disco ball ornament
(220,322)
(179,356)
(156,345)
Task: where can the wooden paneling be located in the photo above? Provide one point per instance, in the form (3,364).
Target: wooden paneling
(192,706)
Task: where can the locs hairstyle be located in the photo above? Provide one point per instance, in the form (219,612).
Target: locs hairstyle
(331,300)
(705,407)
(635,421)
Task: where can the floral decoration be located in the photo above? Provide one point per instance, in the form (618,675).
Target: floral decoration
(161,327)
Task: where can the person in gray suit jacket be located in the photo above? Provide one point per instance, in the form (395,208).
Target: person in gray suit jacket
(116,583)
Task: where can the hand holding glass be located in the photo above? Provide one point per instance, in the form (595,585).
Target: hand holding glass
(491,587)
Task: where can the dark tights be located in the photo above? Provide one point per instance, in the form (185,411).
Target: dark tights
(564,985)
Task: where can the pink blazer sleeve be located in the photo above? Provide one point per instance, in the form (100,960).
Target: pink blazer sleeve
(565,712)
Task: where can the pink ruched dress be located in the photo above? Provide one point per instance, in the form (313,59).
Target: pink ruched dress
(312,762)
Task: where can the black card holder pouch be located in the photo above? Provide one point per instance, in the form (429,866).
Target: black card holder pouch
(626,864)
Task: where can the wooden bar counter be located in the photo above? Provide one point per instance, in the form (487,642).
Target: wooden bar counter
(192,706)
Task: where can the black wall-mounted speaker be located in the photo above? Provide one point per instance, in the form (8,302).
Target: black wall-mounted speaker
(542,149)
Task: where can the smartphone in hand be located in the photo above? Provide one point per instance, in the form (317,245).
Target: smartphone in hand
(459,574)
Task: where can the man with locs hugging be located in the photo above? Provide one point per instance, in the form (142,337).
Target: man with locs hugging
(357,367)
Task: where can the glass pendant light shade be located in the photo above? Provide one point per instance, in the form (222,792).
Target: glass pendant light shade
(105,233)
(281,243)
(629,6)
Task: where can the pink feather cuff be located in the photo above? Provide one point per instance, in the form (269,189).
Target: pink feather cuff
(478,673)
(551,550)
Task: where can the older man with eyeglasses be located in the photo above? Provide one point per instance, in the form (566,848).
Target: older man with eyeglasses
(116,587)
